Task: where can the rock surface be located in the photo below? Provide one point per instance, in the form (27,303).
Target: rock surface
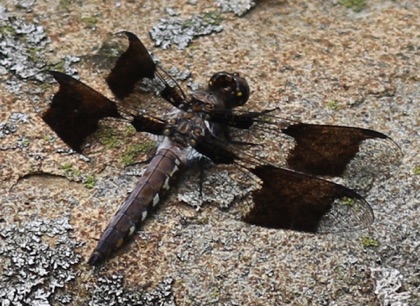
(320,61)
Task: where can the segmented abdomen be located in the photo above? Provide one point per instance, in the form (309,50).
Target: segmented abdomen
(152,186)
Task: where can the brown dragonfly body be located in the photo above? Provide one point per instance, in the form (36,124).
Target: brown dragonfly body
(291,196)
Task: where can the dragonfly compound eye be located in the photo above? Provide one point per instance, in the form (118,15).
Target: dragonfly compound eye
(230,87)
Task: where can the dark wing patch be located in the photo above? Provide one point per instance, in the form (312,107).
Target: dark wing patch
(296,201)
(135,75)
(133,65)
(325,149)
(76,110)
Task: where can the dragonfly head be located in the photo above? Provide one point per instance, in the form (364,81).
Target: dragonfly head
(230,87)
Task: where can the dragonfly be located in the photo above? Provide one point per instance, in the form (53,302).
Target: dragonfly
(294,190)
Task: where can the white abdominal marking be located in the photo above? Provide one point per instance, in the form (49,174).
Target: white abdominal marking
(144,215)
(155,200)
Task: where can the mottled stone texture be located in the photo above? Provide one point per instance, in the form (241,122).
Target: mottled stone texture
(319,61)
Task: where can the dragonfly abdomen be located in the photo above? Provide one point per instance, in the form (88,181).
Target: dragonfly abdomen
(153,185)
